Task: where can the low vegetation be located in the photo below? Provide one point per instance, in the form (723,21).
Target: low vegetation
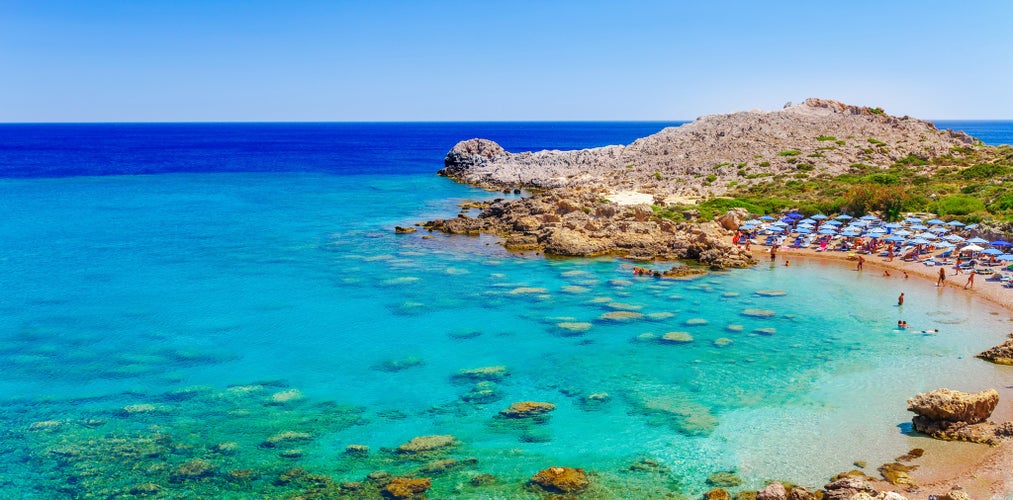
(967,183)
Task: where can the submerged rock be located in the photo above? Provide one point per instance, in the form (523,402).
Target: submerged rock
(677,338)
(490,373)
(193,470)
(406,487)
(561,480)
(724,480)
(424,444)
(526,409)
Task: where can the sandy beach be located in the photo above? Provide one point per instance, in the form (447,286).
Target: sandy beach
(982,471)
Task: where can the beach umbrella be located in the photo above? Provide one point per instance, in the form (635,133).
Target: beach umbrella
(833,223)
(844,217)
(779,224)
(954,238)
(893,225)
(945,244)
(971,248)
(1005,257)
(803,230)
(939,230)
(935,221)
(870,217)
(807,220)
(893,239)
(827,230)
(955,223)
(913,220)
(767,218)
(919,241)
(992,251)
(850,233)
(819,217)
(977,240)
(1001,243)
(795,215)
(903,232)
(878,230)
(858,223)
(918,227)
(928,236)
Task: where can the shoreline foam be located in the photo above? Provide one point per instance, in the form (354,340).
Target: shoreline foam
(982,471)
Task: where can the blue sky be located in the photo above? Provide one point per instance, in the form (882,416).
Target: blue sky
(378,60)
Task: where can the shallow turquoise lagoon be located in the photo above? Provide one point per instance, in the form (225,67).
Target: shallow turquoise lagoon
(147,320)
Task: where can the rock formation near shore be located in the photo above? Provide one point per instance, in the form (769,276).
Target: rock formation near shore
(580,223)
(959,416)
(703,157)
(1001,354)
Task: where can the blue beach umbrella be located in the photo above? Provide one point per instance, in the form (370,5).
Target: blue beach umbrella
(850,233)
(819,217)
(992,251)
(803,230)
(903,232)
(928,236)
(827,230)
(844,217)
(977,240)
(893,239)
(945,244)
(913,220)
(893,225)
(878,230)
(934,222)
(870,217)
(919,241)
(1006,257)
(918,227)
(953,238)
(939,230)
(795,215)
(779,224)
(807,221)
(833,223)
(955,223)
(1001,243)
(767,218)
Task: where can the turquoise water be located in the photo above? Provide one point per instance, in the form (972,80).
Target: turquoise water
(234,307)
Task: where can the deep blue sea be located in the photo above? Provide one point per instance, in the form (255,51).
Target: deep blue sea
(244,311)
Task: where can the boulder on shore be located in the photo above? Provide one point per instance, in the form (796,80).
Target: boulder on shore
(959,416)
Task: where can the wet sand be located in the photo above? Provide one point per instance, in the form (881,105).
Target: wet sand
(982,471)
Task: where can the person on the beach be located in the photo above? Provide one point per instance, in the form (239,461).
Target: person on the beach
(970,280)
(942,277)
(890,253)
(773,252)
(905,274)
(861,262)
(956,267)
(900,300)
(886,273)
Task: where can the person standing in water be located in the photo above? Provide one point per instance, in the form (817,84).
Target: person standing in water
(942,277)
(900,300)
(970,280)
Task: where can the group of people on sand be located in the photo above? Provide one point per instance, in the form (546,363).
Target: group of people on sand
(942,278)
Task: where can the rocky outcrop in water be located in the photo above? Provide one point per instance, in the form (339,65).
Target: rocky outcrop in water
(1001,354)
(582,224)
(826,136)
(566,480)
(959,416)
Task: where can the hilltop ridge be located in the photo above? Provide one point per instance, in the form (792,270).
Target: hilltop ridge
(715,153)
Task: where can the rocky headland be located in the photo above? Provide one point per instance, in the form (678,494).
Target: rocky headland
(701,158)
(606,200)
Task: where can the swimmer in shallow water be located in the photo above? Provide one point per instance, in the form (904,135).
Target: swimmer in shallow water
(927,332)
(902,324)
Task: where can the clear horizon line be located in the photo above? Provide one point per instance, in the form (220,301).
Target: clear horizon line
(253,122)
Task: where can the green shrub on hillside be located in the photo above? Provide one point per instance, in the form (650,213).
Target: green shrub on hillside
(826,138)
(789,152)
(957,205)
(982,171)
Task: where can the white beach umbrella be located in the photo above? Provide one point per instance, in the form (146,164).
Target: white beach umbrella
(971,248)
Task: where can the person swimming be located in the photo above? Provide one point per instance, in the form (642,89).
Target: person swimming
(902,324)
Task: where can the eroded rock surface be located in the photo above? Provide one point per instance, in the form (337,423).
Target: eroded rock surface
(959,416)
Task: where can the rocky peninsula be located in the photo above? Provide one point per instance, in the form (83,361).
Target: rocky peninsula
(699,159)
(611,200)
